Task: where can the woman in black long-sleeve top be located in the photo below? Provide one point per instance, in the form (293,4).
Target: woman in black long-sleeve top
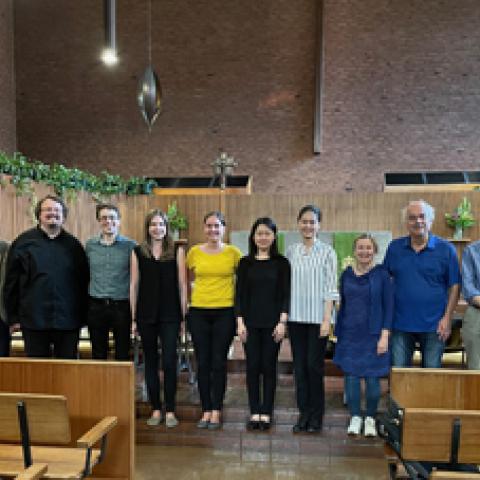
(262,305)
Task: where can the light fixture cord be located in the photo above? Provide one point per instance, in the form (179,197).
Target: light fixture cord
(149,30)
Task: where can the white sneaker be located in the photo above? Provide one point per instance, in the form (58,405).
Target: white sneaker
(355,426)
(370,430)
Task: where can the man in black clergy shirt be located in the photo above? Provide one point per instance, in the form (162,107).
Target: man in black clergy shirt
(46,284)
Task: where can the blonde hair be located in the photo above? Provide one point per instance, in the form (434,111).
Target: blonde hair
(366,236)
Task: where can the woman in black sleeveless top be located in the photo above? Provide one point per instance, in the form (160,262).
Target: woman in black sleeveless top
(158,299)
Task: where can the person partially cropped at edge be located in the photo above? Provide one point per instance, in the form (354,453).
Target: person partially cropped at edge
(427,281)
(4,328)
(471,293)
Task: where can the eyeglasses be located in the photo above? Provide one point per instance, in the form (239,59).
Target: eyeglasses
(105,218)
(51,210)
(415,218)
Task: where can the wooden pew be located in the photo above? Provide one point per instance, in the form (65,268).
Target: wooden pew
(42,425)
(439,419)
(438,475)
(35,472)
(93,390)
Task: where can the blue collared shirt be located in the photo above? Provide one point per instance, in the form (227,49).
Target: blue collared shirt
(109,267)
(471,271)
(422,280)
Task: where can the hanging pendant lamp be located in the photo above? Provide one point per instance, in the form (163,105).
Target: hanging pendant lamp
(149,94)
(109,54)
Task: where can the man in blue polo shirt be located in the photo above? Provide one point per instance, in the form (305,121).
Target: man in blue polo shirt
(109,307)
(427,281)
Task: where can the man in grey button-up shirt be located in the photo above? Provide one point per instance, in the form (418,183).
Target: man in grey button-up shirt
(471,293)
(109,308)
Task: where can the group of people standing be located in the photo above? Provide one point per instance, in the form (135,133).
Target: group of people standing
(52,284)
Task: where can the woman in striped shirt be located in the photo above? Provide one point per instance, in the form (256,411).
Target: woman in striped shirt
(314,285)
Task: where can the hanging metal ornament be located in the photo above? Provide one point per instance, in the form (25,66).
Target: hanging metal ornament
(149,94)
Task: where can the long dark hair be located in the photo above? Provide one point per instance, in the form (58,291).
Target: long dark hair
(252,247)
(168,248)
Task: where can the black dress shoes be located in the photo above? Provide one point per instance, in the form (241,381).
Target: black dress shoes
(253,425)
(314,426)
(265,425)
(302,424)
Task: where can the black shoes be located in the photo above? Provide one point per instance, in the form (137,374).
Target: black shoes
(253,425)
(302,424)
(314,426)
(260,424)
(305,423)
(265,425)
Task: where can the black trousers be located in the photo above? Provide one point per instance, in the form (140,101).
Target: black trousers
(261,352)
(212,332)
(4,339)
(168,334)
(39,343)
(308,351)
(104,316)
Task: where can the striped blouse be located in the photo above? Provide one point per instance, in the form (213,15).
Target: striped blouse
(314,280)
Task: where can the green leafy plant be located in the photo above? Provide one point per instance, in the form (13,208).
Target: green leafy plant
(176,220)
(67,181)
(462,216)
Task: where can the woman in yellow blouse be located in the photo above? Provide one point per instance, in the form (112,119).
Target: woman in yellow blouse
(211,321)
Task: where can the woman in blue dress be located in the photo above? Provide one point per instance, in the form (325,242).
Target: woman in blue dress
(362,329)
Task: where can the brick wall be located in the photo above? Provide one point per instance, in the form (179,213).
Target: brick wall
(401,88)
(7,86)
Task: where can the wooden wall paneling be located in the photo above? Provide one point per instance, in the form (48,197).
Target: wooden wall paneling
(82,221)
(7,213)
(93,390)
(346,211)
(195,208)
(242,212)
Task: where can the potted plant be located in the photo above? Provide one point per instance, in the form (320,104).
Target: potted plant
(461,218)
(176,220)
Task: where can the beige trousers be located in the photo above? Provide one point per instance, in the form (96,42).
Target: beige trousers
(471,337)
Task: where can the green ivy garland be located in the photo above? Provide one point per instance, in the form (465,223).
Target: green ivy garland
(66,181)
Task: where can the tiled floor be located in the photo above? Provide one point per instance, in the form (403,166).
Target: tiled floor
(197,463)
(186,453)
